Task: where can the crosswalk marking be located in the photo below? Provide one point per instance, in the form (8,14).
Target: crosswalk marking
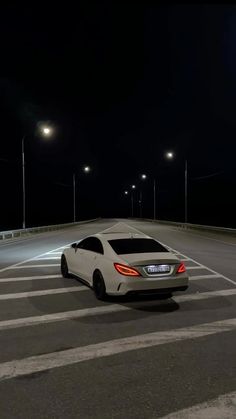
(53,253)
(203,266)
(29,278)
(31,259)
(209,276)
(49,258)
(224,407)
(112,308)
(57,359)
(41,292)
(35,266)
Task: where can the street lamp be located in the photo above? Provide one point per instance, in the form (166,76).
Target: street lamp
(133,187)
(169,155)
(86,169)
(144,177)
(45,132)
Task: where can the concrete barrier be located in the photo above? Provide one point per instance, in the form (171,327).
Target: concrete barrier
(9,234)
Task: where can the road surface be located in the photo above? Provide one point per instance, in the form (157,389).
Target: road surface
(66,355)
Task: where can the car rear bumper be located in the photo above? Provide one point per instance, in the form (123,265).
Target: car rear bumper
(157,285)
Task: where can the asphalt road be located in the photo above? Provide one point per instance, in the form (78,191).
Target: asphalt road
(66,355)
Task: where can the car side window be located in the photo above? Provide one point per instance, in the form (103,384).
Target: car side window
(91,243)
(97,245)
(84,244)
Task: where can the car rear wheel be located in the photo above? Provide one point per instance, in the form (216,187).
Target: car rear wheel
(99,286)
(64,267)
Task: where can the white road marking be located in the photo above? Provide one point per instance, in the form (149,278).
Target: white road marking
(205,237)
(204,295)
(113,308)
(34,266)
(209,276)
(28,260)
(29,278)
(49,258)
(209,269)
(41,292)
(53,253)
(224,407)
(48,361)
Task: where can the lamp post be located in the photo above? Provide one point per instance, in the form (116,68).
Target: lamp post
(45,132)
(86,169)
(170,156)
(143,177)
(132,199)
(186,192)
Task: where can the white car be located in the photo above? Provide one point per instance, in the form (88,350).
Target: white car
(122,263)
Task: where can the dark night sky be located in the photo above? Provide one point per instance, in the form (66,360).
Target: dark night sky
(120,84)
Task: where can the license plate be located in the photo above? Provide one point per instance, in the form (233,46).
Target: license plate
(153,269)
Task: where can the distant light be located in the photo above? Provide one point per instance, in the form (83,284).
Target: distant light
(46,131)
(144,176)
(133,186)
(170,155)
(126,192)
(87,169)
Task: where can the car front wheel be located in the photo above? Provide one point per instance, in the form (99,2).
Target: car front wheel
(99,286)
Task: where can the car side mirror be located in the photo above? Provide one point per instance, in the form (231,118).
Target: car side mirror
(74,245)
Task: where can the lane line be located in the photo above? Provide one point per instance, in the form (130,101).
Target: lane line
(209,269)
(108,309)
(76,355)
(223,407)
(205,237)
(41,292)
(29,278)
(34,266)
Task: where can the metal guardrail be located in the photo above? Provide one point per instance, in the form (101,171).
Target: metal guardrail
(9,234)
(194,226)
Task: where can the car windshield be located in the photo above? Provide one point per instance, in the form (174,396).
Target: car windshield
(127,246)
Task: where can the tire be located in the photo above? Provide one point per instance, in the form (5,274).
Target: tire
(64,267)
(99,286)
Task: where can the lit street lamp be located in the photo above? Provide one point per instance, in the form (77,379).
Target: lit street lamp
(170,155)
(144,177)
(132,200)
(45,132)
(86,169)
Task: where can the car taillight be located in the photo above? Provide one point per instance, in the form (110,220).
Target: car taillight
(126,270)
(181,269)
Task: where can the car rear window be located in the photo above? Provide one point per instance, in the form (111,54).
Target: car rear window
(127,246)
